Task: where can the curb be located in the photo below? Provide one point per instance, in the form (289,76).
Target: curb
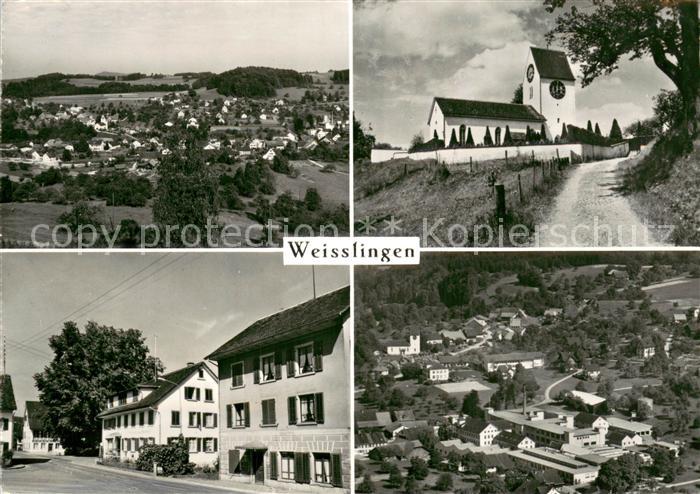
(143,475)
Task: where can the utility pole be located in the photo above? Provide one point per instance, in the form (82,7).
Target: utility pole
(155,354)
(313,279)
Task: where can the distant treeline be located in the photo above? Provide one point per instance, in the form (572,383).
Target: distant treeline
(56,84)
(341,76)
(253,82)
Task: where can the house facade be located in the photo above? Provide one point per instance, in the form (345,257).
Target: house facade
(509,361)
(284,389)
(439,374)
(8,406)
(478,432)
(35,437)
(411,347)
(184,402)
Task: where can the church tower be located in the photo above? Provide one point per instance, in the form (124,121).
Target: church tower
(549,87)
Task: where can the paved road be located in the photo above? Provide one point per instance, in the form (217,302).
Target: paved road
(589,212)
(547,398)
(59,475)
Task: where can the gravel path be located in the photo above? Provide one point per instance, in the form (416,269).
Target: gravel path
(589,212)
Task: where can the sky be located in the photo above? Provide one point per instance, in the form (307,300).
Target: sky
(193,302)
(169,36)
(405,53)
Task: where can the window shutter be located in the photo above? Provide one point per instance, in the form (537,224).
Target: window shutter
(216,416)
(290,362)
(246,413)
(273,465)
(318,356)
(216,445)
(229,416)
(336,471)
(199,444)
(198,394)
(234,458)
(299,468)
(292,409)
(256,370)
(318,404)
(150,417)
(199,419)
(306,463)
(265,416)
(272,415)
(279,358)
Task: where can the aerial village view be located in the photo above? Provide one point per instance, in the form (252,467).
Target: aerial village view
(259,149)
(548,373)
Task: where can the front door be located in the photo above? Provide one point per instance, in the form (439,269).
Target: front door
(50,447)
(259,466)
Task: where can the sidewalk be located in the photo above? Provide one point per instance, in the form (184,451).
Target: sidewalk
(222,485)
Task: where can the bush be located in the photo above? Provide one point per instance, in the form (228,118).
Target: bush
(7,458)
(173,458)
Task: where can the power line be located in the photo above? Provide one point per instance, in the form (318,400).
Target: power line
(41,332)
(28,349)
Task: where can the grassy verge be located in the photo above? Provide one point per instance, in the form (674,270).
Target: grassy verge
(665,188)
(420,193)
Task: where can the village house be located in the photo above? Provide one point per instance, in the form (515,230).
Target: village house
(438,373)
(624,440)
(573,471)
(181,403)
(35,439)
(284,392)
(8,406)
(509,361)
(477,431)
(513,440)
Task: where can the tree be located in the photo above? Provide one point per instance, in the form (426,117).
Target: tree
(665,464)
(621,474)
(543,133)
(470,405)
(312,199)
(589,127)
(665,30)
(6,189)
(395,480)
(444,482)
(453,139)
(418,469)
(66,156)
(470,139)
(362,142)
(615,132)
(487,137)
(187,192)
(518,95)
(564,132)
(416,142)
(492,484)
(411,486)
(82,214)
(597,130)
(507,138)
(366,486)
(86,369)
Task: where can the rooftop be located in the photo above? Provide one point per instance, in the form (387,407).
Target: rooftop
(7,394)
(314,315)
(465,108)
(552,64)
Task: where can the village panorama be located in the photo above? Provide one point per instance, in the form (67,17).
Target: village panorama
(529,373)
(238,158)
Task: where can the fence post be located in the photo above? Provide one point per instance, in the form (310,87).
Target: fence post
(470,165)
(520,188)
(506,158)
(534,177)
(500,201)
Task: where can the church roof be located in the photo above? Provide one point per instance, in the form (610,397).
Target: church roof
(7,394)
(552,64)
(488,110)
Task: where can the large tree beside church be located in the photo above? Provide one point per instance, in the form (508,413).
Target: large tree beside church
(667,30)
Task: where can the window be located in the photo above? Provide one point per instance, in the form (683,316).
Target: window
(322,468)
(311,408)
(133,420)
(237,375)
(192,394)
(268,412)
(208,395)
(150,417)
(241,415)
(287,468)
(175,418)
(210,445)
(267,364)
(122,399)
(192,443)
(305,358)
(200,373)
(195,419)
(210,420)
(5,424)
(142,418)
(530,92)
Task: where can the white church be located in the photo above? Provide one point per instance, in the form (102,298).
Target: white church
(549,102)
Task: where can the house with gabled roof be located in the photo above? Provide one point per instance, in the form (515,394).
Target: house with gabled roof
(285,384)
(477,431)
(184,403)
(36,437)
(8,406)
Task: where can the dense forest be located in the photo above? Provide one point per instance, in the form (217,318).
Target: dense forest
(56,84)
(253,82)
(341,76)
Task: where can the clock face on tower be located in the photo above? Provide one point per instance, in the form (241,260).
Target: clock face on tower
(530,73)
(557,89)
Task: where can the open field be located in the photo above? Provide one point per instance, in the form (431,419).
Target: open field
(96,99)
(334,187)
(92,82)
(686,289)
(463,387)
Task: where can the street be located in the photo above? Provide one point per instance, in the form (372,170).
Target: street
(590,200)
(58,475)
